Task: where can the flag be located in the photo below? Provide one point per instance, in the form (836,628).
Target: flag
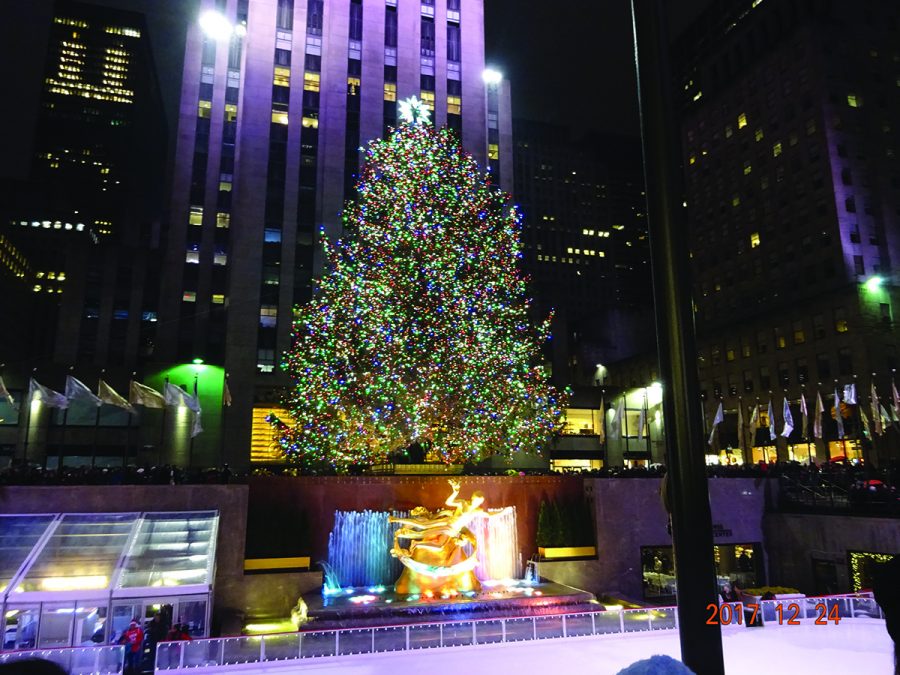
(896,400)
(601,432)
(109,395)
(754,423)
(865,423)
(850,394)
(742,439)
(876,413)
(788,428)
(642,419)
(76,390)
(771,411)
(820,408)
(50,398)
(717,420)
(226,396)
(4,393)
(618,417)
(140,394)
(885,416)
(176,396)
(837,414)
(804,422)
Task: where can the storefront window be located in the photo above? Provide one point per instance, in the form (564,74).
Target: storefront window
(735,564)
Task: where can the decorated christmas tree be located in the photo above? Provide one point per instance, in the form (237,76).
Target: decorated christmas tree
(419,332)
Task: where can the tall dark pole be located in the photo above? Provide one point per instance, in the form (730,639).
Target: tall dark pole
(687,491)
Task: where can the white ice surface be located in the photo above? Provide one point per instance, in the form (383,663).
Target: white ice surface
(857,647)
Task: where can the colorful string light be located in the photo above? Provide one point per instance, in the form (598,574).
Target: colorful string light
(420,330)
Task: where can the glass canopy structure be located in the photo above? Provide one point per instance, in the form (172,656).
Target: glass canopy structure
(74,579)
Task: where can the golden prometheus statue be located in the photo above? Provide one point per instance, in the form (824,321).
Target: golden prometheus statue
(435,560)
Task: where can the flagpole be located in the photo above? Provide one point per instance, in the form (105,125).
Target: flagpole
(162,431)
(62,448)
(223,430)
(625,420)
(130,436)
(859,430)
(742,437)
(97,423)
(647,429)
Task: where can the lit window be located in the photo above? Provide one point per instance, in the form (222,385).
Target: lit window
(840,320)
(310,122)
(223,220)
(747,168)
(220,258)
(854,101)
(282,77)
(390,91)
(196,216)
(353,84)
(728,131)
(204,109)
(311,81)
(272,236)
(776,149)
(189,296)
(224,186)
(693,159)
(428,98)
(192,257)
(754,240)
(279,117)
(493,151)
(218,299)
(454,105)
(736,200)
(758,134)
(268,316)
(230,112)
(742,120)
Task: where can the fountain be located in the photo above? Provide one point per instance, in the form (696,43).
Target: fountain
(388,566)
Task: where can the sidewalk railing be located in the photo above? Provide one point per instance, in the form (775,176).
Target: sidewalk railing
(95,660)
(233,651)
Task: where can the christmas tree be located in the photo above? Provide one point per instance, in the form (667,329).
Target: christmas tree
(419,332)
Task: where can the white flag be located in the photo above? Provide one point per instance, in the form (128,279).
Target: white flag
(817,424)
(876,413)
(642,421)
(742,438)
(865,423)
(772,434)
(4,393)
(717,420)
(76,390)
(850,394)
(837,414)
(226,394)
(804,422)
(754,424)
(50,398)
(141,394)
(788,419)
(176,396)
(885,417)
(615,426)
(109,395)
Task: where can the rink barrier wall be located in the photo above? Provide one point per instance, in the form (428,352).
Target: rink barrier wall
(217,653)
(94,660)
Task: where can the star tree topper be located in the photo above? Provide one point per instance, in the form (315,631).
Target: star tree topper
(414,111)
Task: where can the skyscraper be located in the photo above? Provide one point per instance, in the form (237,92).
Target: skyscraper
(793,195)
(277,98)
(87,212)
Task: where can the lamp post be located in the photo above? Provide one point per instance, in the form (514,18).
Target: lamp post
(687,492)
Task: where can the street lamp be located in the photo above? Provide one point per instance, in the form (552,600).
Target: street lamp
(215,25)
(491,76)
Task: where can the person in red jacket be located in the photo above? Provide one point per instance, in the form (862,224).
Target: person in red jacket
(133,639)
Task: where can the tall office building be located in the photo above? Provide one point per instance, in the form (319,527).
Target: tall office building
(586,246)
(84,215)
(277,98)
(790,138)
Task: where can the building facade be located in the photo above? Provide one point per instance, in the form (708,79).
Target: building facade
(277,98)
(586,246)
(790,148)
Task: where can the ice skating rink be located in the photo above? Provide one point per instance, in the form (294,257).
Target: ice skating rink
(857,647)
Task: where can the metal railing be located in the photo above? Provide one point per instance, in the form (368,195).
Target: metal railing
(232,651)
(94,660)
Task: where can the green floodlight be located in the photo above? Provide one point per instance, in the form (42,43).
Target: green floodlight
(873,283)
(197,361)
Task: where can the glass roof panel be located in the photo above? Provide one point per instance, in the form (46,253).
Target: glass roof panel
(81,554)
(18,535)
(172,549)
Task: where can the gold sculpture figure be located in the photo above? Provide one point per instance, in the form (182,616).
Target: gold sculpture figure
(435,558)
